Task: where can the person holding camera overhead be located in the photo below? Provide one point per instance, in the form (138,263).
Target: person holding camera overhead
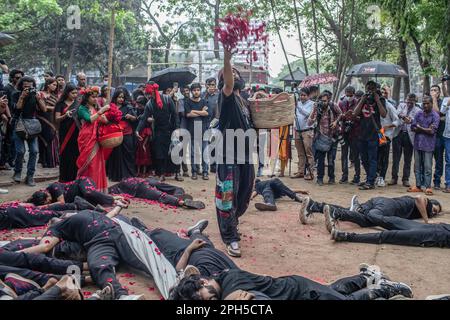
(26,127)
(371,108)
(326,115)
(68,133)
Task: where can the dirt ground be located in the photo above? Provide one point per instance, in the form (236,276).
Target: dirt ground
(276,244)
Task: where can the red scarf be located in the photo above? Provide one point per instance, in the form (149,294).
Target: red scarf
(153,89)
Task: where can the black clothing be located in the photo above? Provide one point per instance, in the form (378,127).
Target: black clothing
(143,189)
(402,144)
(29,109)
(234,115)
(273,189)
(25,217)
(295,287)
(404,232)
(82,187)
(190,105)
(122,161)
(369,115)
(207,259)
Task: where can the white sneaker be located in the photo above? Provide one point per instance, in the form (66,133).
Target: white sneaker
(132,297)
(381,183)
(4,191)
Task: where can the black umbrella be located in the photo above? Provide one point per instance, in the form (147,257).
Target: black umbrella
(5,39)
(377,69)
(166,78)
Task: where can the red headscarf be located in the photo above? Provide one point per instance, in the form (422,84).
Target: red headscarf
(153,88)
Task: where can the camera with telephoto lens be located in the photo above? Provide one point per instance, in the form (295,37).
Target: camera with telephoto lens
(446,78)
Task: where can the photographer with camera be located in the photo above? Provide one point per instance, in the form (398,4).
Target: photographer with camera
(350,131)
(26,127)
(326,116)
(371,108)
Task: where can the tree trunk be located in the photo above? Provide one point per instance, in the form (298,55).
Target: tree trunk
(402,62)
(281,40)
(448,68)
(166,54)
(216,25)
(57,57)
(300,39)
(71,59)
(313,2)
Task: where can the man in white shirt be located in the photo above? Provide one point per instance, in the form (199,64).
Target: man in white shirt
(304,135)
(445,108)
(389,123)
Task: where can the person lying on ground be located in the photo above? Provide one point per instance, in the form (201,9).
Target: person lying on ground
(398,230)
(107,243)
(65,250)
(62,193)
(198,251)
(65,288)
(273,189)
(16,216)
(144,189)
(225,285)
(405,207)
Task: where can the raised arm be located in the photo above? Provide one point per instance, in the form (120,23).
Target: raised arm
(228,77)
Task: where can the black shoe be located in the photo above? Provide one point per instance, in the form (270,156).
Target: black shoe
(355,181)
(265,207)
(17,177)
(194,176)
(363,183)
(29,181)
(330,221)
(205,176)
(83,204)
(338,236)
(320,182)
(190,204)
(138,223)
(178,177)
(199,227)
(186,196)
(185,174)
(406,184)
(305,210)
(395,288)
(367,187)
(331,182)
(343,181)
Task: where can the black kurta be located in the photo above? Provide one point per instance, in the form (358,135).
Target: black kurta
(165,122)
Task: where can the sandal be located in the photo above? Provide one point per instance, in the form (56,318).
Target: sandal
(429,192)
(414,190)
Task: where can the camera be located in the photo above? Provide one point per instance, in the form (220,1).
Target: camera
(446,78)
(32,91)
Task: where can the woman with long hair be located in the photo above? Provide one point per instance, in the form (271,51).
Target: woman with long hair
(65,109)
(48,139)
(91,161)
(121,164)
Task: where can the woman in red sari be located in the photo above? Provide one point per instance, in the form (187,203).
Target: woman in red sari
(91,162)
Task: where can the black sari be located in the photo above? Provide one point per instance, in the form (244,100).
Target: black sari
(122,162)
(68,144)
(47,139)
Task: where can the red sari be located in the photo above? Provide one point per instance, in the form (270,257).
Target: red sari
(91,162)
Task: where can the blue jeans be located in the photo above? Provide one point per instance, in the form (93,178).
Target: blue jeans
(447,162)
(439,158)
(33,150)
(195,148)
(369,157)
(331,157)
(423,168)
